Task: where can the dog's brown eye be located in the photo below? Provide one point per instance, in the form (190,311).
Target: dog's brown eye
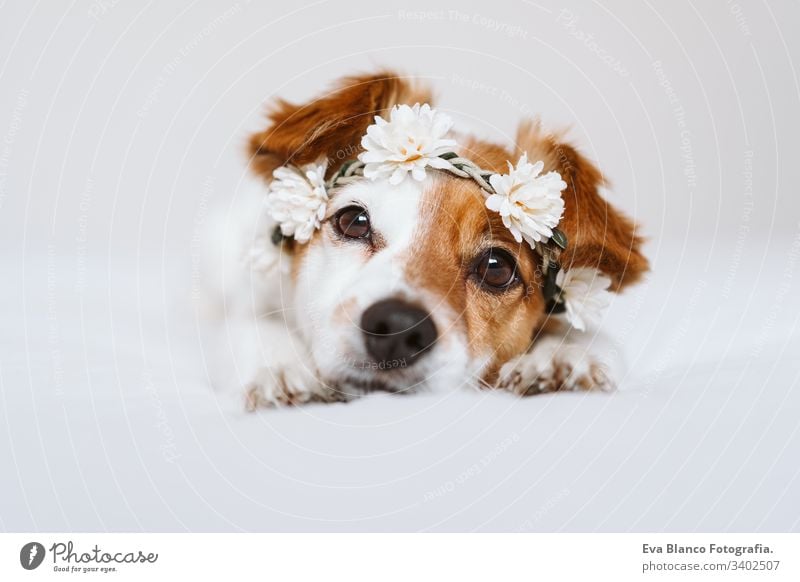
(352,222)
(496,269)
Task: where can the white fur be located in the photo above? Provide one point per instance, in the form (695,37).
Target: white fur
(570,360)
(250,324)
(338,282)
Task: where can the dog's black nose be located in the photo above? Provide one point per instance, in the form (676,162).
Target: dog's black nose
(396,333)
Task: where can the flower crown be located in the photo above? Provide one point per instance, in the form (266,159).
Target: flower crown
(414,140)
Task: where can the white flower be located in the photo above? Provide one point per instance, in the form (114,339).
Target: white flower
(530,204)
(585,294)
(297,199)
(412,139)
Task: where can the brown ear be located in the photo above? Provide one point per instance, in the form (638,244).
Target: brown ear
(599,236)
(330,126)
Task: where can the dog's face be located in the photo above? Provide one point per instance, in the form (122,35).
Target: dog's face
(413,285)
(418,284)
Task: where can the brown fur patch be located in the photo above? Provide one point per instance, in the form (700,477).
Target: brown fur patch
(332,125)
(457,226)
(455,230)
(599,235)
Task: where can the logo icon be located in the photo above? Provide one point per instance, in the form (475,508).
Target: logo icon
(31,555)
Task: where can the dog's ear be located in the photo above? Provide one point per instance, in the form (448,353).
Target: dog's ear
(599,236)
(330,126)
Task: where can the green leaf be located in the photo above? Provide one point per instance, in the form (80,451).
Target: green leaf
(550,290)
(559,238)
(448,155)
(277,236)
(343,168)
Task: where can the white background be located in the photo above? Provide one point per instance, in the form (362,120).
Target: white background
(122,125)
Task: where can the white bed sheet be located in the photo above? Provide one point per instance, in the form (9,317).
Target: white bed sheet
(107,421)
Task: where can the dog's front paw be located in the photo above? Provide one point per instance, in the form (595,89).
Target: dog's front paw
(274,386)
(553,366)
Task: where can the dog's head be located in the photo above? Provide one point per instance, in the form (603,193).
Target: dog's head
(418,283)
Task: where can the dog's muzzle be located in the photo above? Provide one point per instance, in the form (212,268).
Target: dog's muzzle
(396,333)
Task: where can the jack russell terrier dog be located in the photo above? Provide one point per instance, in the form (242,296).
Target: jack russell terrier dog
(384,251)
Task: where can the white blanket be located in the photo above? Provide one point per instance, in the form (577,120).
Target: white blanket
(107,421)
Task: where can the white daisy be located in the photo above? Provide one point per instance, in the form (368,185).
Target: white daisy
(412,139)
(530,204)
(585,294)
(297,199)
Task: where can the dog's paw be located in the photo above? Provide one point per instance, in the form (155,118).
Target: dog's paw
(552,366)
(273,387)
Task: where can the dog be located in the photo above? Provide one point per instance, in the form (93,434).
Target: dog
(409,286)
